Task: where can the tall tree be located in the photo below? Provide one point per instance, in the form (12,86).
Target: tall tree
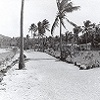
(76,31)
(68,36)
(86,29)
(41,27)
(64,6)
(21,58)
(33,28)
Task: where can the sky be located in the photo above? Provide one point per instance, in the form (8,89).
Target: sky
(37,10)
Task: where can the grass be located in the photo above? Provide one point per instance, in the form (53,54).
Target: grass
(82,59)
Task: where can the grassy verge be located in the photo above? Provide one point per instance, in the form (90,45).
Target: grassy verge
(82,59)
(6,62)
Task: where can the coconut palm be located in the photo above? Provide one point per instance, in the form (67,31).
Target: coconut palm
(76,31)
(93,35)
(68,36)
(42,27)
(33,28)
(86,29)
(64,6)
(21,58)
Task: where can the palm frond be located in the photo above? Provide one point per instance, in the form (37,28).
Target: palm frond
(33,28)
(87,23)
(83,31)
(75,8)
(45,21)
(29,29)
(47,29)
(58,4)
(77,30)
(54,25)
(71,9)
(68,7)
(63,4)
(62,22)
(45,24)
(58,1)
(73,24)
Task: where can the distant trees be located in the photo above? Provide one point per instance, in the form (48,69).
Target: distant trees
(76,30)
(90,34)
(68,37)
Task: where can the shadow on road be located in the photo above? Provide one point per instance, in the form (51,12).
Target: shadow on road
(37,59)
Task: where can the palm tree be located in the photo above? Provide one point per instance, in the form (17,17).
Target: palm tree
(68,36)
(86,29)
(64,6)
(21,58)
(41,28)
(33,28)
(76,31)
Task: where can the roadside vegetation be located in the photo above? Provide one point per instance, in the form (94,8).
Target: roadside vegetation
(6,58)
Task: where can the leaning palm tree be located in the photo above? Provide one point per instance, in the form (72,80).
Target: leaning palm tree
(21,58)
(64,6)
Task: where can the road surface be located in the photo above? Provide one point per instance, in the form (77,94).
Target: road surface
(47,78)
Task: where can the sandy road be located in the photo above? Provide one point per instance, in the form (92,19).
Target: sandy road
(47,78)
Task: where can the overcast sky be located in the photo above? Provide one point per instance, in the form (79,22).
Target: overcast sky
(37,10)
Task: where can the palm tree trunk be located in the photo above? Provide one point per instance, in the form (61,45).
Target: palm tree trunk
(53,43)
(86,41)
(21,59)
(33,39)
(61,55)
(42,44)
(38,42)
